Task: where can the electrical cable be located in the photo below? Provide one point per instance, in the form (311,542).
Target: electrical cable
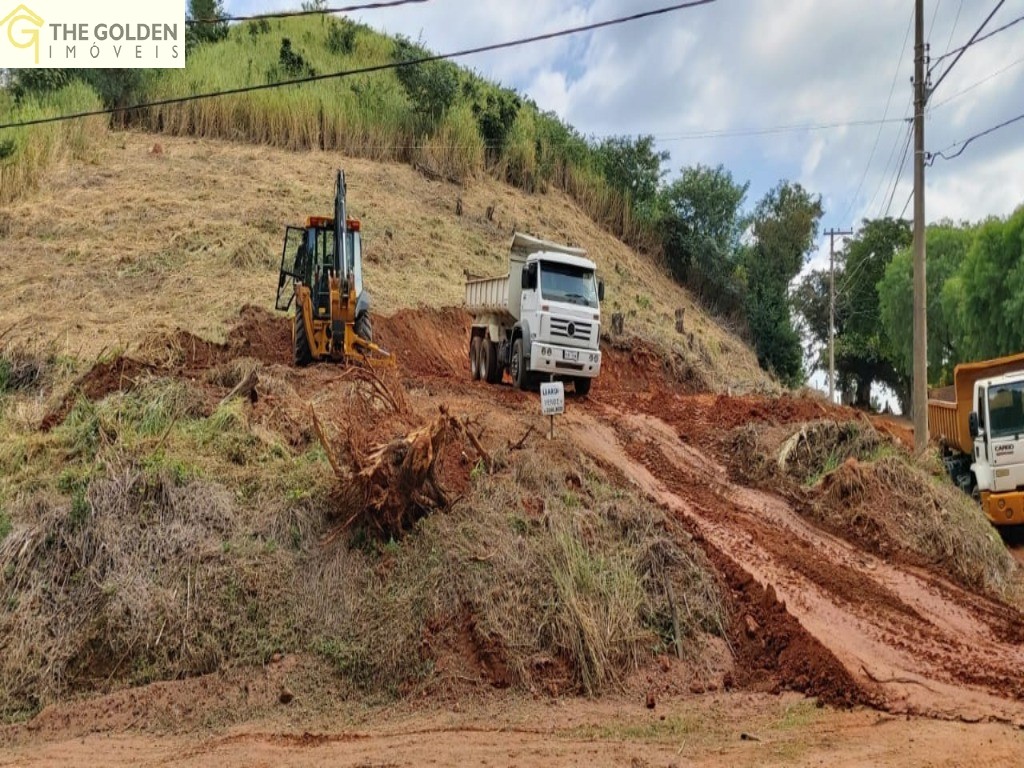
(993,33)
(899,172)
(885,114)
(969,88)
(363,70)
(963,144)
(963,49)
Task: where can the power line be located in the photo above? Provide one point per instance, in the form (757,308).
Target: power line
(952,30)
(971,87)
(993,33)
(727,133)
(968,141)
(883,179)
(963,49)
(309,12)
(899,171)
(885,114)
(363,70)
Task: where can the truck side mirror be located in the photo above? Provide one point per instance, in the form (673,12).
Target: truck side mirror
(600,290)
(972,424)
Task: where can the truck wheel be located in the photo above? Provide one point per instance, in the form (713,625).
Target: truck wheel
(474,358)
(489,370)
(363,327)
(583,386)
(517,366)
(301,353)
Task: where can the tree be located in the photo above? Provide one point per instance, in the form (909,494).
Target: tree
(702,224)
(632,167)
(431,87)
(861,344)
(212,30)
(947,247)
(993,282)
(785,224)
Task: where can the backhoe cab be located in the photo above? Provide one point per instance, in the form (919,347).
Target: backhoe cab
(322,273)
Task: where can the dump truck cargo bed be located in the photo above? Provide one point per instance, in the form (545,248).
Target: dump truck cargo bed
(949,408)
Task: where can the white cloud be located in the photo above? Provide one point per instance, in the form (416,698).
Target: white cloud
(752,64)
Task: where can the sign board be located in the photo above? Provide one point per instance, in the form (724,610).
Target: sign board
(552,398)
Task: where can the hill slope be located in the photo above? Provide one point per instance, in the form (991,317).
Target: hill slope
(137,242)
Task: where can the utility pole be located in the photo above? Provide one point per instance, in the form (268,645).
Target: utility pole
(832,233)
(919,385)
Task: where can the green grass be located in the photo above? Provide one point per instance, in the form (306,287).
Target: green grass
(27,153)
(368,115)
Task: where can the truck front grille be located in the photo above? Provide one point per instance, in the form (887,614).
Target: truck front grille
(570,329)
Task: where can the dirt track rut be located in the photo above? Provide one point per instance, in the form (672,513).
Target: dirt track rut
(912,642)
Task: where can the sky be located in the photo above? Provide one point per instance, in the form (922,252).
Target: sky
(738,66)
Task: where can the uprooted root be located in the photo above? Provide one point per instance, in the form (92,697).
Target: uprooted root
(805,454)
(395,483)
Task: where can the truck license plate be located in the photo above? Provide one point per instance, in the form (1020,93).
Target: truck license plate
(571,355)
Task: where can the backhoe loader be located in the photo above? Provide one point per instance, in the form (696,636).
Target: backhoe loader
(322,273)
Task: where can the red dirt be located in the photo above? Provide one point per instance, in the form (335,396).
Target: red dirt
(809,612)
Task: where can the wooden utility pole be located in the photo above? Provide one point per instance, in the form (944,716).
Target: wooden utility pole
(832,233)
(919,384)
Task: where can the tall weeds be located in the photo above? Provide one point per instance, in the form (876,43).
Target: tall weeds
(25,153)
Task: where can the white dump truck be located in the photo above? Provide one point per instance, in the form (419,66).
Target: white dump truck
(541,321)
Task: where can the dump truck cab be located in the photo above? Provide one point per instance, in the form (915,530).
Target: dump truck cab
(997,428)
(540,321)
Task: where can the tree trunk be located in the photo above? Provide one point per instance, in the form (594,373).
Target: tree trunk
(863,397)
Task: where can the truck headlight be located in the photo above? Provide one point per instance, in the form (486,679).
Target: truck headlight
(545,351)
(594,358)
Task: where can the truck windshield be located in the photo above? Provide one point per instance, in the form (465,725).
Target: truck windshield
(562,282)
(1006,409)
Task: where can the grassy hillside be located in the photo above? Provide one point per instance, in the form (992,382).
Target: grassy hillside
(133,243)
(437,115)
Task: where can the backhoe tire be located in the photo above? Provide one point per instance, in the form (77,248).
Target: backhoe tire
(489,370)
(301,353)
(364,328)
(517,366)
(474,357)
(583,386)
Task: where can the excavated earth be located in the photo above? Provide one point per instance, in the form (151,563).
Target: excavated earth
(811,612)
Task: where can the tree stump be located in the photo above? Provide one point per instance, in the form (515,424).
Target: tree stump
(680,317)
(618,322)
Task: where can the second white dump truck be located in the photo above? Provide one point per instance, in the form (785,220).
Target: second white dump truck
(541,321)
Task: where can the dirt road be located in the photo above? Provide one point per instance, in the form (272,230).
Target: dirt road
(714,730)
(911,641)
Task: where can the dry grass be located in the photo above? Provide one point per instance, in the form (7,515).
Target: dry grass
(863,486)
(149,537)
(897,505)
(29,154)
(529,582)
(140,243)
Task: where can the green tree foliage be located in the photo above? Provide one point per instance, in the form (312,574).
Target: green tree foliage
(862,344)
(496,112)
(785,224)
(632,167)
(947,247)
(993,289)
(341,37)
(213,30)
(701,224)
(432,87)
